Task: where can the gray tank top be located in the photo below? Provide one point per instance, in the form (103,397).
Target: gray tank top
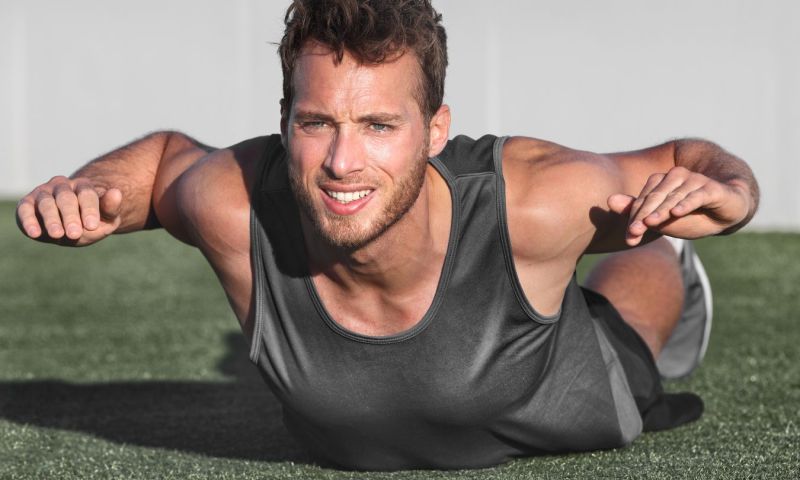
(480,379)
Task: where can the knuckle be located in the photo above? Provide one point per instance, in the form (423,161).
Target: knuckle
(714,188)
(24,201)
(655,177)
(37,191)
(695,195)
(43,196)
(653,200)
(64,196)
(59,183)
(86,193)
(63,192)
(664,206)
(674,197)
(30,198)
(82,183)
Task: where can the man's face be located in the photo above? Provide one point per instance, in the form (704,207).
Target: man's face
(358,145)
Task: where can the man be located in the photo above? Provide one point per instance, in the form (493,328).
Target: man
(410,299)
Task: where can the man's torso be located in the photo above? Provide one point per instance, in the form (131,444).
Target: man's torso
(543,245)
(481,377)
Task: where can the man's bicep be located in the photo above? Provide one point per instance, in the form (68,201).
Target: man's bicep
(571,193)
(558,198)
(173,177)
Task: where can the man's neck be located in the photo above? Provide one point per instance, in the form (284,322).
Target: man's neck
(398,256)
(387,285)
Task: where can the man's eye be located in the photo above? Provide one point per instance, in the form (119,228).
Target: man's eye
(380,127)
(312,125)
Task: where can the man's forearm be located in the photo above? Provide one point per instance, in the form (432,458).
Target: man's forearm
(134,170)
(714,162)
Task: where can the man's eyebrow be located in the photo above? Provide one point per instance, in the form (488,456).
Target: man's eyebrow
(308,115)
(381,117)
(377,117)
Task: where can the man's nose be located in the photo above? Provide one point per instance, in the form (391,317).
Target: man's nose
(346,154)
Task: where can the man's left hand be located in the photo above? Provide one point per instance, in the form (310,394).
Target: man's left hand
(682,204)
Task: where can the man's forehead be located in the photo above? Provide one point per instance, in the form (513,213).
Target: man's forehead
(318,71)
(315,49)
(319,60)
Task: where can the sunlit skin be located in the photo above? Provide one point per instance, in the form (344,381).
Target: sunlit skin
(358,130)
(377,221)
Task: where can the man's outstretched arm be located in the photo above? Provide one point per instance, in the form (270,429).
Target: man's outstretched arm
(128,189)
(706,191)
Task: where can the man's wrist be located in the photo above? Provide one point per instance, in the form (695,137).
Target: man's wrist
(743,190)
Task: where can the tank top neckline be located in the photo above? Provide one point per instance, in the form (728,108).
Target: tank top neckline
(441,286)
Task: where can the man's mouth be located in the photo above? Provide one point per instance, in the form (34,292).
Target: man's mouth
(346,197)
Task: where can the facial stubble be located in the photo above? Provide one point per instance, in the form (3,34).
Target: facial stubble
(351,232)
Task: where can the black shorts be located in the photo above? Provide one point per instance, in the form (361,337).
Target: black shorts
(659,410)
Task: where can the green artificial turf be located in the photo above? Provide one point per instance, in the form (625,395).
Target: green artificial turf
(122,360)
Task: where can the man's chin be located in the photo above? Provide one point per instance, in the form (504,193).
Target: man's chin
(347,237)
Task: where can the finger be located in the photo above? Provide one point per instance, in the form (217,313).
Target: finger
(620,203)
(110,204)
(67,203)
(690,203)
(652,182)
(663,211)
(51,219)
(26,218)
(655,205)
(89,204)
(634,219)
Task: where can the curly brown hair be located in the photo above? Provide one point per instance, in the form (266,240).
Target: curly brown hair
(373,32)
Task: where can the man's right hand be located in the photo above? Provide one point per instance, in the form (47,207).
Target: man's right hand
(73,212)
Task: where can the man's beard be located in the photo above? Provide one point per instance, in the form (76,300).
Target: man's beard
(348,231)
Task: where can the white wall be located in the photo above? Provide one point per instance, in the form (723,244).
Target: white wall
(78,78)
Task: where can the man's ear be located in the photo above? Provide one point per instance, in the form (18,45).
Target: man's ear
(439,128)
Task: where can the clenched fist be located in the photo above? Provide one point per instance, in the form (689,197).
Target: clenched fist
(69,212)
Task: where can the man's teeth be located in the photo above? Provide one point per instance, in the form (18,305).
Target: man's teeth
(347,197)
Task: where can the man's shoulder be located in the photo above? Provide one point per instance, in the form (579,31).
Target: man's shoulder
(465,155)
(540,168)
(534,154)
(241,158)
(214,194)
(233,169)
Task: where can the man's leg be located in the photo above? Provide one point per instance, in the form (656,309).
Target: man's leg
(645,285)
(667,302)
(658,293)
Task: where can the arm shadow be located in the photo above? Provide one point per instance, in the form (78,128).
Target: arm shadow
(238,419)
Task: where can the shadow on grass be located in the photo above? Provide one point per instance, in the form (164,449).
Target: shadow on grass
(238,419)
